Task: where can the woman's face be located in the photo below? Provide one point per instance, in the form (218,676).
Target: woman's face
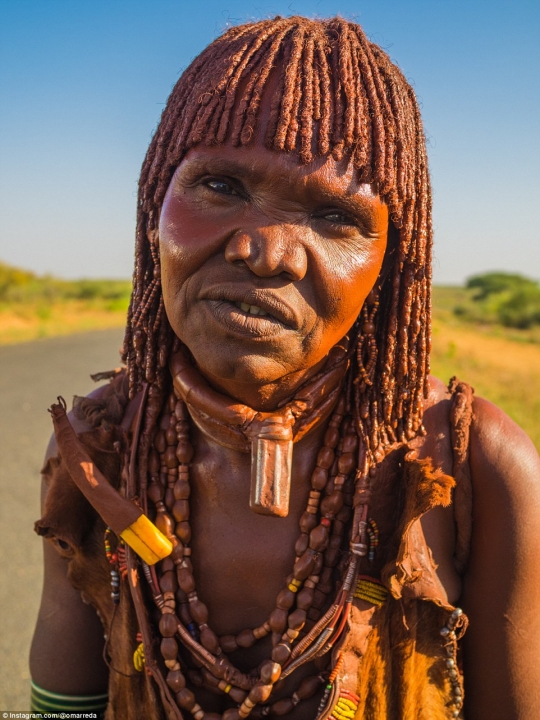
(266,263)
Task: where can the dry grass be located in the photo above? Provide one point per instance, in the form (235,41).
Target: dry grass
(505,371)
(31,322)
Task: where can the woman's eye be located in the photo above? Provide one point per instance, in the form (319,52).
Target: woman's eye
(338,218)
(221,186)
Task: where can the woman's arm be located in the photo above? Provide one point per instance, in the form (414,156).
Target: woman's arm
(502,583)
(67,649)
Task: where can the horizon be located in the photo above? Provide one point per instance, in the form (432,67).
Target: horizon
(83,278)
(82,87)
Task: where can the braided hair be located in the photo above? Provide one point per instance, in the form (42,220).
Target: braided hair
(337,95)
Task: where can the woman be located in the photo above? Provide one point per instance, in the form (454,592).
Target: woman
(325,504)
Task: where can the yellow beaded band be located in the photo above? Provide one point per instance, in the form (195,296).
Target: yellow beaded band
(370,591)
(346,706)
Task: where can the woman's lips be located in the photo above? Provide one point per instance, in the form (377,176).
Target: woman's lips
(254,303)
(251,322)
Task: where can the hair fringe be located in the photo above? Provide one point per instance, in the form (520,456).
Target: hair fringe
(337,94)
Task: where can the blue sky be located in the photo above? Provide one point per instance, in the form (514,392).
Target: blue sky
(83,82)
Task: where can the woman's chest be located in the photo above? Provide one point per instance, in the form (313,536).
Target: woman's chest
(241,560)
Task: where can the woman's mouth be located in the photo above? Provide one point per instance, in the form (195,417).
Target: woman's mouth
(250,309)
(245,319)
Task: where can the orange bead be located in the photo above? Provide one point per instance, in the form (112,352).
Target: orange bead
(305,598)
(186,580)
(278,620)
(176,681)
(184,452)
(245,639)
(304,565)
(325,458)
(231,714)
(186,699)
(260,693)
(199,612)
(181,510)
(183,532)
(228,643)
(209,640)
(282,707)
(270,672)
(169,648)
(319,478)
(182,490)
(168,582)
(331,437)
(301,544)
(318,538)
(281,653)
(297,619)
(168,625)
(285,599)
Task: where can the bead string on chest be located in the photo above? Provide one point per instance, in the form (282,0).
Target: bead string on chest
(298,629)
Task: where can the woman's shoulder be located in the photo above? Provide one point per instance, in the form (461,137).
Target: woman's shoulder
(502,456)
(498,450)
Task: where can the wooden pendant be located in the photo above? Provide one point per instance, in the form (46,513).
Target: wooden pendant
(271,465)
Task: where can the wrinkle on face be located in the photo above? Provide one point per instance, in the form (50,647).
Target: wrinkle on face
(256,220)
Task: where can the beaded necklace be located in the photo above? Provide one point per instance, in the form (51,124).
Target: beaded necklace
(299,631)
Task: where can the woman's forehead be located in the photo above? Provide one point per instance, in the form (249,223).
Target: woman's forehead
(258,164)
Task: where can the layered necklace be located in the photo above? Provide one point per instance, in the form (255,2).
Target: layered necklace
(305,623)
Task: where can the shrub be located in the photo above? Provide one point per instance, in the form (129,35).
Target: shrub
(497,282)
(509,299)
(19,287)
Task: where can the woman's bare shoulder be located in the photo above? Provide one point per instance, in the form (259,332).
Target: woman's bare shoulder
(499,444)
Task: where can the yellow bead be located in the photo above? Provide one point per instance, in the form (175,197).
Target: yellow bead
(368,599)
(138,658)
(292,588)
(147,541)
(371,593)
(339,714)
(345,704)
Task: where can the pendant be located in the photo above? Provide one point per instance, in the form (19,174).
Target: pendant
(271,465)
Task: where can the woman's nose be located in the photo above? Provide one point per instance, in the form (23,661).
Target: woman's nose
(269,251)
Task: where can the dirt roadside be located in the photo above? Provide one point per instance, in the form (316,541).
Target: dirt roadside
(31,376)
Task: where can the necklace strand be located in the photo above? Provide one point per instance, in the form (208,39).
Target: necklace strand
(298,634)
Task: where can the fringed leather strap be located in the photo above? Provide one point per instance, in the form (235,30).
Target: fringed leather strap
(461,415)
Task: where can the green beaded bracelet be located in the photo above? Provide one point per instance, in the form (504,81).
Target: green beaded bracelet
(45,701)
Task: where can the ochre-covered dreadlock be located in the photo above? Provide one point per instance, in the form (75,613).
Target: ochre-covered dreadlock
(337,94)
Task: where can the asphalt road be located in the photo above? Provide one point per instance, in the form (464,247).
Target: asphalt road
(31,377)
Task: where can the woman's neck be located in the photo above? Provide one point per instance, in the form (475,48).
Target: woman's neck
(264,397)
